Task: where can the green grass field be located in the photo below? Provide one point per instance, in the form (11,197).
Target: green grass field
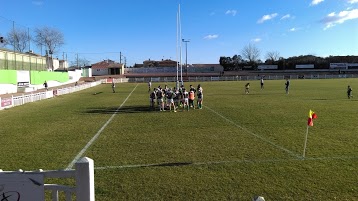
(236,147)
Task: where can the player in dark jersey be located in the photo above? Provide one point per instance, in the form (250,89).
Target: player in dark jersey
(152,97)
(349,92)
(200,99)
(176,97)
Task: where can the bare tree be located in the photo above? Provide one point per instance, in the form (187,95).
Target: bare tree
(273,56)
(251,53)
(51,38)
(19,39)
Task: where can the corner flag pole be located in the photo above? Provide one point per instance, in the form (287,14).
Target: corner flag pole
(304,148)
(311,115)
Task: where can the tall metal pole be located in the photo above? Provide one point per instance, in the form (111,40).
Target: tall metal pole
(177,50)
(180,38)
(186,55)
(13,31)
(28,38)
(63,58)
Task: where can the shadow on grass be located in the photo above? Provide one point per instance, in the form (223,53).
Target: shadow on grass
(169,164)
(320,99)
(124,109)
(262,94)
(326,99)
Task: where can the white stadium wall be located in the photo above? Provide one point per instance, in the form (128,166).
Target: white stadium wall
(267,67)
(304,66)
(338,66)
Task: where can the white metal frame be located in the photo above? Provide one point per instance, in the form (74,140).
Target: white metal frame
(83,174)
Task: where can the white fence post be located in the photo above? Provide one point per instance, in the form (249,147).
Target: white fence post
(85,179)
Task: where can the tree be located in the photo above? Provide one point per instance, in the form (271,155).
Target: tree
(51,38)
(18,39)
(226,62)
(251,53)
(272,56)
(236,59)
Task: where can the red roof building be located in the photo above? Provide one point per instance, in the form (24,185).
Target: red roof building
(107,67)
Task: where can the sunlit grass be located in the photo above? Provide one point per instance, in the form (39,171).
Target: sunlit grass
(236,147)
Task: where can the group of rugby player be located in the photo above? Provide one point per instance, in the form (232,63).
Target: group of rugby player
(172,98)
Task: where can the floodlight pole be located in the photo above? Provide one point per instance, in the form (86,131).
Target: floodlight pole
(186,55)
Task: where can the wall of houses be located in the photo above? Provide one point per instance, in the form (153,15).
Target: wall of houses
(100,71)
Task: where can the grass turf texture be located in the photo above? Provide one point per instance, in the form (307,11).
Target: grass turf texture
(236,147)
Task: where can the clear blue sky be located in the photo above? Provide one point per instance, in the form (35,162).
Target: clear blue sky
(146,29)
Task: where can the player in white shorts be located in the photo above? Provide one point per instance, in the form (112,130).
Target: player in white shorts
(186,100)
(170,100)
(160,95)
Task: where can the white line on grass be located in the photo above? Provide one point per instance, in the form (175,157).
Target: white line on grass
(258,136)
(98,133)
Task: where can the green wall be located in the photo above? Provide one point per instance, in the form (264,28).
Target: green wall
(8,77)
(39,77)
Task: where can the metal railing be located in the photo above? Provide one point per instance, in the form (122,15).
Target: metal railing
(83,175)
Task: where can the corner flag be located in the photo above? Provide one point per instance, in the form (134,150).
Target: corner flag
(311,115)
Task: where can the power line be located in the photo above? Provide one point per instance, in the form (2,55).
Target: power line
(13,21)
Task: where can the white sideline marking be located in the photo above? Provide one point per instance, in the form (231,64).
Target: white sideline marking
(258,136)
(233,161)
(98,133)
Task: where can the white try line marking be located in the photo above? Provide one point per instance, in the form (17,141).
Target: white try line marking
(253,134)
(79,155)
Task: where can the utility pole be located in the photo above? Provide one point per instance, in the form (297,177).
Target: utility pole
(63,60)
(120,57)
(28,38)
(13,29)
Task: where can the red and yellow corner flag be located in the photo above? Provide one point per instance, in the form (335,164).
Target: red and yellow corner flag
(311,115)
